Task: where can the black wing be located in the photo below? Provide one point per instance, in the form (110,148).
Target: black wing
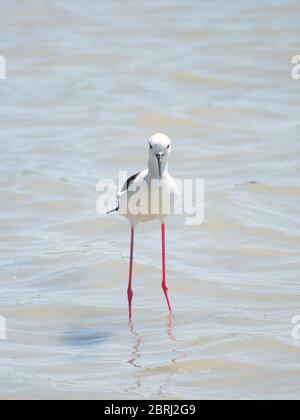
(129,182)
(125,188)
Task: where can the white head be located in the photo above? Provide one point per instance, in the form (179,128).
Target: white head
(159,152)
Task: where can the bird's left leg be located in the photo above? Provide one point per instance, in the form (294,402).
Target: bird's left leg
(129,290)
(164,282)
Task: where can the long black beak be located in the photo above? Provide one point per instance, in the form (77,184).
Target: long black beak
(159,161)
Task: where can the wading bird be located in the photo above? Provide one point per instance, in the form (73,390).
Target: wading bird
(146,196)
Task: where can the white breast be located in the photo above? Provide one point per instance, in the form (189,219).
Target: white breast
(148,199)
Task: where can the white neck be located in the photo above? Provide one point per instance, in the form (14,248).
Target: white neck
(153,168)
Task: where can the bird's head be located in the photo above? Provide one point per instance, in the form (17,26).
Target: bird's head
(159,151)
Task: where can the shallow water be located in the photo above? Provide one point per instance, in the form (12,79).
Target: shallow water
(85,89)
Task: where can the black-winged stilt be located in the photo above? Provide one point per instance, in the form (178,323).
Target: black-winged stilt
(153,188)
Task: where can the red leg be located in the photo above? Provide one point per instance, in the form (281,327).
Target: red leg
(129,290)
(164,282)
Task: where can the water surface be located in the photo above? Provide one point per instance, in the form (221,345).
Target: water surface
(87,85)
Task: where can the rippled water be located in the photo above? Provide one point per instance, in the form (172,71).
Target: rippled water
(87,85)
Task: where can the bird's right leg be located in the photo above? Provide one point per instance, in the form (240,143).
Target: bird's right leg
(129,290)
(164,282)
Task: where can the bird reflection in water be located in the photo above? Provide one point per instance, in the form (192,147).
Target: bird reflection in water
(136,356)
(177,355)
